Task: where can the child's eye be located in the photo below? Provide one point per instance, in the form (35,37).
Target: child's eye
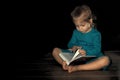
(82,25)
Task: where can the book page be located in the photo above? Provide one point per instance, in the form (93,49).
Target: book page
(66,57)
(76,54)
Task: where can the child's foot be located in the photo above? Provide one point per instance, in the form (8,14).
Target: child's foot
(72,69)
(64,65)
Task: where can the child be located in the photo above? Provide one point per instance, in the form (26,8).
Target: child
(86,38)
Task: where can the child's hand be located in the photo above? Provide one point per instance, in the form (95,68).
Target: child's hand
(74,48)
(83,52)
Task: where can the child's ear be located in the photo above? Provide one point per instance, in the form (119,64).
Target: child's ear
(91,21)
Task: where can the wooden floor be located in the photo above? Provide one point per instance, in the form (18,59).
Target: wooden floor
(36,68)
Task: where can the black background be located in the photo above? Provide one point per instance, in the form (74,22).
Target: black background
(45,25)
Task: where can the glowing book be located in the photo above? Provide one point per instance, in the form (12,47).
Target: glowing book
(71,57)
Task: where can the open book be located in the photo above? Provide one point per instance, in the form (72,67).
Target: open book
(71,57)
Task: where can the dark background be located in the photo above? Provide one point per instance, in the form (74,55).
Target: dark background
(48,24)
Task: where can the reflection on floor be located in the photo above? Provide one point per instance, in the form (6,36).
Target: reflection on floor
(36,68)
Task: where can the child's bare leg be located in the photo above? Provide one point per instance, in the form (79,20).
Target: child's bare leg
(95,65)
(55,54)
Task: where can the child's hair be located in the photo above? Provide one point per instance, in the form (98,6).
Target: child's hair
(79,10)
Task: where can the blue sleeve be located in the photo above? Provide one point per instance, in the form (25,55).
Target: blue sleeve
(95,49)
(72,41)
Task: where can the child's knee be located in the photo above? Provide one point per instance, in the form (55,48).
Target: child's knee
(106,60)
(55,51)
(107,63)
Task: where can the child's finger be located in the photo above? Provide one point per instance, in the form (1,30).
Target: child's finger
(79,47)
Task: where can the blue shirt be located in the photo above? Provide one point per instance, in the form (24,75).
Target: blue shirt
(90,42)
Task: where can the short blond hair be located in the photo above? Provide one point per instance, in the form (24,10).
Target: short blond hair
(79,10)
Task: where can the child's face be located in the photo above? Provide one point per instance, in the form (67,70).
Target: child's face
(82,26)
